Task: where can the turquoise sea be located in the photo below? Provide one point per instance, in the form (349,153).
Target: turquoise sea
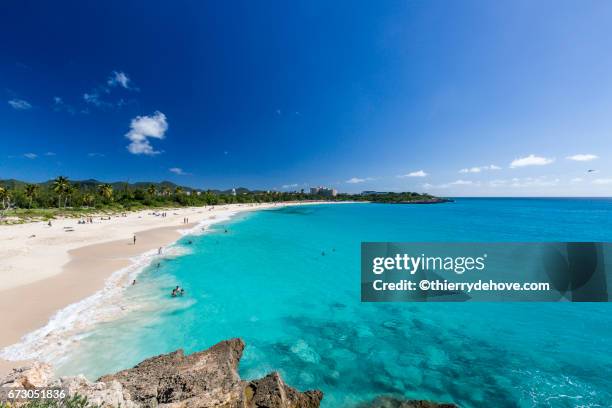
(266,280)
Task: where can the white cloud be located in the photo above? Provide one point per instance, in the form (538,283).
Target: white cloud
(418,173)
(119,78)
(286,186)
(99,96)
(530,160)
(479,169)
(602,181)
(471,170)
(95,154)
(576,179)
(19,104)
(144,127)
(582,157)
(521,182)
(462,183)
(50,154)
(30,155)
(356,180)
(451,184)
(178,170)
(93,98)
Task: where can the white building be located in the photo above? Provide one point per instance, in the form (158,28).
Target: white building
(324,191)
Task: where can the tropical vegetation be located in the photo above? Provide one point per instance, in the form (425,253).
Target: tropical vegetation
(62,196)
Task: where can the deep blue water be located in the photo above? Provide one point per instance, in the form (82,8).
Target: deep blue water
(299,311)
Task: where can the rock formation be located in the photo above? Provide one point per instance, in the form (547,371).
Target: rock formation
(390,402)
(205,379)
(35,375)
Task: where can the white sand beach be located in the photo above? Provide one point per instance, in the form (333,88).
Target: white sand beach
(45,268)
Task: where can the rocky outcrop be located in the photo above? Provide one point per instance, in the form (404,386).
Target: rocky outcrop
(390,402)
(271,391)
(34,375)
(104,394)
(204,379)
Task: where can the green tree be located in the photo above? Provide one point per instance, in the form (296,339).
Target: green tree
(106,191)
(151,190)
(61,185)
(88,199)
(4,195)
(69,193)
(31,190)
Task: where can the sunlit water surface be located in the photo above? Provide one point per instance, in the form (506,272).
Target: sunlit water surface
(265,280)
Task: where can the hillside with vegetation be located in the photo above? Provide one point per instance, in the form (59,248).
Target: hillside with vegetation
(63,197)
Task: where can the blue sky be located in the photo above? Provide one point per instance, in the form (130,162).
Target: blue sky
(453,98)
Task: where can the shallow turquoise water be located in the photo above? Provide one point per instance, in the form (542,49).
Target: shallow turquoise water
(266,280)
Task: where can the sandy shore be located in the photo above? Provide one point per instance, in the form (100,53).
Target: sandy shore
(44,269)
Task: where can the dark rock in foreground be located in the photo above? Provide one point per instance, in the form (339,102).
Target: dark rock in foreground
(207,379)
(390,402)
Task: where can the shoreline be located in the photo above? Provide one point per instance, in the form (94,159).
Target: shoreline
(29,308)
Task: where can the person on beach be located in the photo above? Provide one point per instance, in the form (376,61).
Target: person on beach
(134,239)
(159,251)
(133,282)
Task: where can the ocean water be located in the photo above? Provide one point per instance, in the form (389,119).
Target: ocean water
(263,277)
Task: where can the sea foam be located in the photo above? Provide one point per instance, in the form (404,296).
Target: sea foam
(67,327)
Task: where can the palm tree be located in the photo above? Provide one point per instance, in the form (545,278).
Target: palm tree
(4,194)
(61,185)
(151,189)
(178,190)
(88,199)
(30,191)
(70,190)
(106,191)
(165,190)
